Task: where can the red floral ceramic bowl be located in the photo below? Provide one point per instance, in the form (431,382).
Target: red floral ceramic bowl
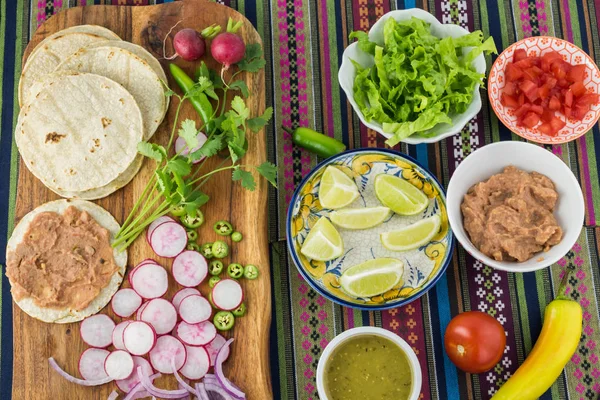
(537,46)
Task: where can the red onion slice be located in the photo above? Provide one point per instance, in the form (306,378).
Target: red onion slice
(202,395)
(182,383)
(211,387)
(138,391)
(226,383)
(113,395)
(154,391)
(78,381)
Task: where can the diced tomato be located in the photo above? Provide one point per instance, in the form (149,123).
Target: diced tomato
(520,54)
(550,81)
(546,129)
(554,104)
(578,89)
(525,63)
(537,109)
(513,73)
(579,111)
(568,98)
(559,70)
(530,75)
(567,111)
(522,110)
(531,120)
(551,56)
(577,73)
(547,115)
(588,99)
(521,99)
(510,88)
(509,101)
(543,91)
(530,90)
(563,83)
(557,124)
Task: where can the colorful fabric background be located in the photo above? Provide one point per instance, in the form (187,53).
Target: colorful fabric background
(304,40)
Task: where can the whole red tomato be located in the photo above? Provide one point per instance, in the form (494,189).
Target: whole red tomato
(474,341)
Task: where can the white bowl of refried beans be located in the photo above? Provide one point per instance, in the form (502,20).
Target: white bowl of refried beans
(515,206)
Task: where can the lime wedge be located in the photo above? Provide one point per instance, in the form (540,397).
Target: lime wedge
(323,242)
(337,190)
(372,277)
(399,195)
(360,218)
(412,236)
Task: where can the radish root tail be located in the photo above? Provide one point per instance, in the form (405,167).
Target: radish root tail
(174,56)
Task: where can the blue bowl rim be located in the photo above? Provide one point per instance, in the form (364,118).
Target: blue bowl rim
(309,279)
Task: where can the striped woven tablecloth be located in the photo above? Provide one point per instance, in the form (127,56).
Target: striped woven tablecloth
(304,40)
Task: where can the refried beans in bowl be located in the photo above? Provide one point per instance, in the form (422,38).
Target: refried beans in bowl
(510,216)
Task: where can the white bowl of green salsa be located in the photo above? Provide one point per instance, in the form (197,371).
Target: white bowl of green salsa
(368,363)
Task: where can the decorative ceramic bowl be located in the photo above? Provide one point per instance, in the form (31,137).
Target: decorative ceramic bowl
(347,73)
(417,379)
(491,159)
(536,46)
(423,266)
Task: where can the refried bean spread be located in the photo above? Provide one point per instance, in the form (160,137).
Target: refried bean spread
(510,216)
(64,261)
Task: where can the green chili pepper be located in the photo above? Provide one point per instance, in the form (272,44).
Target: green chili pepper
(179,211)
(206,250)
(224,320)
(240,311)
(236,236)
(192,222)
(220,249)
(192,235)
(193,246)
(213,281)
(199,101)
(315,142)
(215,267)
(210,300)
(250,272)
(235,270)
(223,228)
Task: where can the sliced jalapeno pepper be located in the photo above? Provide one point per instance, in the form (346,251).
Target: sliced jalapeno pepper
(193,246)
(192,222)
(236,236)
(215,267)
(220,249)
(250,272)
(235,270)
(192,235)
(224,320)
(206,250)
(213,281)
(240,311)
(223,228)
(210,300)
(179,211)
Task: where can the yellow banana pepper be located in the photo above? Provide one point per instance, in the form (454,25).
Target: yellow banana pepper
(556,344)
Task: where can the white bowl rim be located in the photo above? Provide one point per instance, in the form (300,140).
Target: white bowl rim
(417,379)
(511,266)
(428,17)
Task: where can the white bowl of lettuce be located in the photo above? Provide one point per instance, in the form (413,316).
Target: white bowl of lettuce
(414,79)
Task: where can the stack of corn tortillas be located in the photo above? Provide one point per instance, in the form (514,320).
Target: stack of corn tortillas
(87,99)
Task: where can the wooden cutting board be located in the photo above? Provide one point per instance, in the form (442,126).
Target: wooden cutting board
(248,364)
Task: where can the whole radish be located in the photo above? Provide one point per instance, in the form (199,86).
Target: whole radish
(228,48)
(189,44)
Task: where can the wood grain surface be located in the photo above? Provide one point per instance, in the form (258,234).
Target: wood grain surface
(248,365)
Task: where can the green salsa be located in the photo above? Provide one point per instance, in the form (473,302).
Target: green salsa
(368,367)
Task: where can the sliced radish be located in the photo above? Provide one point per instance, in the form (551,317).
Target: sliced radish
(166,348)
(168,239)
(139,338)
(227,294)
(132,272)
(129,383)
(150,281)
(118,364)
(182,294)
(196,334)
(213,348)
(161,314)
(125,302)
(91,364)
(138,314)
(189,268)
(194,309)
(197,363)
(182,149)
(97,330)
(117,336)
(158,221)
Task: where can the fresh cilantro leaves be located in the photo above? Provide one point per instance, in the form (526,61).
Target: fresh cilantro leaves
(257,123)
(253,61)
